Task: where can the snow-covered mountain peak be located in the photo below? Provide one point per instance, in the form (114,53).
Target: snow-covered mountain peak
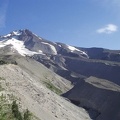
(28,43)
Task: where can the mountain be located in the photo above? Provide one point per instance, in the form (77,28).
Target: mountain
(27,43)
(89,76)
(30,83)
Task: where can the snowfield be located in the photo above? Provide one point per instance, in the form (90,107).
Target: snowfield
(19,46)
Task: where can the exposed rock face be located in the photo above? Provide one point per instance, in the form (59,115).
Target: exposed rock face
(100,97)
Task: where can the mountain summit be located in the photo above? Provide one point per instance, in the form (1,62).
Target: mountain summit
(27,43)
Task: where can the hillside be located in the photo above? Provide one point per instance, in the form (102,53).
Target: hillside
(31,93)
(50,77)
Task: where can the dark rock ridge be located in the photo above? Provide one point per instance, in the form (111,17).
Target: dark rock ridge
(103,54)
(100,69)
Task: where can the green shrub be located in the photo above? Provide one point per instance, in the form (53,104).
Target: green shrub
(27,115)
(2,78)
(5,109)
(11,111)
(16,111)
(1,88)
(50,86)
(2,62)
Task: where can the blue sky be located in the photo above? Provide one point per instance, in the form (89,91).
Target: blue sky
(83,23)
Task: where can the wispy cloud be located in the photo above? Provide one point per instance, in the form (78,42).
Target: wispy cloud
(114,2)
(113,6)
(108,29)
(108,2)
(3,12)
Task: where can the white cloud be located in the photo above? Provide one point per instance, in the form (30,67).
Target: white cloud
(108,29)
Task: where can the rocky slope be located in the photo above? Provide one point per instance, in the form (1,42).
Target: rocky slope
(29,89)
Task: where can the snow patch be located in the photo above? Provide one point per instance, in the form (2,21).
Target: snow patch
(51,46)
(72,49)
(40,51)
(60,45)
(19,46)
(8,35)
(13,33)
(17,32)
